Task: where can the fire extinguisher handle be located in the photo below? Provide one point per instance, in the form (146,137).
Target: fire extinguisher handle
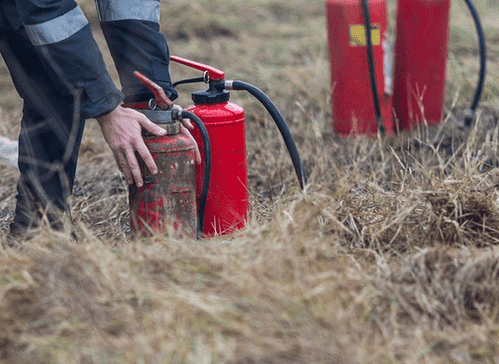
(159,94)
(213,73)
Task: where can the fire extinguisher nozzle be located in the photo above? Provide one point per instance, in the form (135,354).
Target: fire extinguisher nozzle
(176,114)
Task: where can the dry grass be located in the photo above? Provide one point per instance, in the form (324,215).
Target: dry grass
(390,256)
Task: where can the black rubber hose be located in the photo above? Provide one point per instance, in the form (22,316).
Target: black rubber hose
(370,60)
(281,124)
(483,58)
(207,168)
(189,80)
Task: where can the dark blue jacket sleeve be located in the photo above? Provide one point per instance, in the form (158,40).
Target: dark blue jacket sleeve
(61,35)
(138,45)
(132,31)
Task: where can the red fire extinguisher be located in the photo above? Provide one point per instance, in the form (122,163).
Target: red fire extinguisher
(420,61)
(227,203)
(361,85)
(167,201)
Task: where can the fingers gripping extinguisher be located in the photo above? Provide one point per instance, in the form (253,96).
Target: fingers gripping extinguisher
(167,201)
(227,204)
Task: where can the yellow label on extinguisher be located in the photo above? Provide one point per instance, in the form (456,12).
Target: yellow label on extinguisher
(358,35)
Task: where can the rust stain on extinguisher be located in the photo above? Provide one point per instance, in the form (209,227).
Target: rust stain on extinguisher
(167,201)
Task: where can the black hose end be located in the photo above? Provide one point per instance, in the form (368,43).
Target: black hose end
(380,125)
(468,120)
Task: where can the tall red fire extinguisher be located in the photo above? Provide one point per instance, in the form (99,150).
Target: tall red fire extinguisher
(420,61)
(355,110)
(227,203)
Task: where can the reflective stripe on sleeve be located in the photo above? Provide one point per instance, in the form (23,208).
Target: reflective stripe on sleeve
(57,29)
(112,10)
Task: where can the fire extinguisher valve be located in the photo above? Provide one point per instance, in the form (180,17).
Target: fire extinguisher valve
(215,94)
(166,119)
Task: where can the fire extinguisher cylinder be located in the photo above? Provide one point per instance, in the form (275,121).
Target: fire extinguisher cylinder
(169,201)
(227,203)
(359,54)
(420,61)
(166,202)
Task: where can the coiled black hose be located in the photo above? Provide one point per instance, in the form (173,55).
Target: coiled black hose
(483,58)
(279,120)
(207,167)
(370,59)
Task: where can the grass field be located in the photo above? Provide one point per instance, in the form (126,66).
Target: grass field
(390,255)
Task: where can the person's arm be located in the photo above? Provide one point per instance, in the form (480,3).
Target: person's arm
(60,33)
(132,32)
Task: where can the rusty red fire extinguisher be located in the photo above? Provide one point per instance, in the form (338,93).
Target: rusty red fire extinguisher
(167,201)
(360,62)
(227,203)
(420,61)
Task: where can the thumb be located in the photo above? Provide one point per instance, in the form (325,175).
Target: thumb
(151,127)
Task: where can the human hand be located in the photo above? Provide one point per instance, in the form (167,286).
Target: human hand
(122,129)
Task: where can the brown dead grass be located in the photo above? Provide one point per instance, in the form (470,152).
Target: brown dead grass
(390,255)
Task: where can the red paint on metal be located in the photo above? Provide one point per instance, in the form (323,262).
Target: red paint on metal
(168,200)
(352,101)
(227,204)
(420,62)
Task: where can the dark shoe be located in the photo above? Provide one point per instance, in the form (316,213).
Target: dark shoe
(24,226)
(31,215)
